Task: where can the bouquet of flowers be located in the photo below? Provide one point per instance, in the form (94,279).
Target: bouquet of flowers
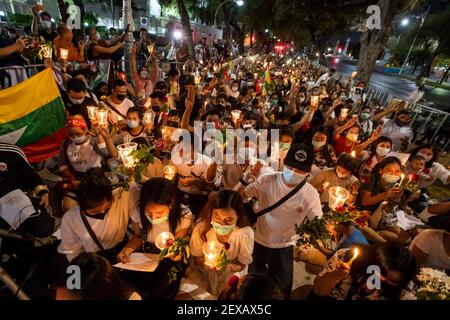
(178,251)
(222,259)
(311,232)
(435,285)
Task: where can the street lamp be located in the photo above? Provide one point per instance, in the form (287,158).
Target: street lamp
(238,2)
(405,22)
(267,30)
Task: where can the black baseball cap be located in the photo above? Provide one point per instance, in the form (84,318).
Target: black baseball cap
(300,156)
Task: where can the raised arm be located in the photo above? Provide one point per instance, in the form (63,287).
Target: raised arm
(134,71)
(338,131)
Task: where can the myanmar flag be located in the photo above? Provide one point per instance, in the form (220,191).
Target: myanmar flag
(32,116)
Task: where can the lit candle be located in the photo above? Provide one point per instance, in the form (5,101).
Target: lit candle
(314,100)
(197,79)
(91,112)
(148,117)
(119,117)
(125,150)
(235,114)
(354,73)
(47,52)
(128,161)
(344,112)
(163,240)
(211,250)
(102,117)
(402,178)
(337,197)
(325,185)
(353,154)
(64,53)
(169,172)
(355,255)
(255,75)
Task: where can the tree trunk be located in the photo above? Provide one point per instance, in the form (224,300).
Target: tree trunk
(445,75)
(374,41)
(128,20)
(186,26)
(80,4)
(63,10)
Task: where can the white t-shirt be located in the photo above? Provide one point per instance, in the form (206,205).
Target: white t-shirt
(199,168)
(122,108)
(438,171)
(396,133)
(431,242)
(186,221)
(276,229)
(241,243)
(110,231)
(82,157)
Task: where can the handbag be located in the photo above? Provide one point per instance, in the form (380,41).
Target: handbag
(253,216)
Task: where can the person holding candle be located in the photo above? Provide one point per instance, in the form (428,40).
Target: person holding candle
(99,222)
(274,233)
(159,210)
(383,185)
(81,152)
(346,137)
(433,171)
(343,175)
(222,220)
(134,128)
(76,100)
(379,149)
(346,275)
(64,41)
(324,153)
(118,103)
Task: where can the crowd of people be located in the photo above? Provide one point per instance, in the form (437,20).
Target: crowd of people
(328,134)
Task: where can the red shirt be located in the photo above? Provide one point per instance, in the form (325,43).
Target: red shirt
(340,147)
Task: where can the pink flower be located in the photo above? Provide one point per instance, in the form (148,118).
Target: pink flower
(340,209)
(233,281)
(169,242)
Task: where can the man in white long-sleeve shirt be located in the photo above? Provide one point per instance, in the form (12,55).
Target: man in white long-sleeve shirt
(325,77)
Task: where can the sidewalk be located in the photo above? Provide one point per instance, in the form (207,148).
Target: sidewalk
(428,82)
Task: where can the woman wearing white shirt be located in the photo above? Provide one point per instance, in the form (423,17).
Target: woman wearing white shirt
(431,248)
(159,211)
(102,210)
(433,171)
(223,220)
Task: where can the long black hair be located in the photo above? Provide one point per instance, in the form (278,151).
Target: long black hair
(159,191)
(388,256)
(223,199)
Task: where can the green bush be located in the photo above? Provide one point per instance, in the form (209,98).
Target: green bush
(21,20)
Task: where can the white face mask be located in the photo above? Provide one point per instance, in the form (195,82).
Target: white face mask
(76,101)
(132,123)
(426,157)
(78,140)
(318,144)
(382,152)
(144,74)
(292,177)
(389,178)
(234,89)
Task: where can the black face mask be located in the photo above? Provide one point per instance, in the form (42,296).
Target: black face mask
(98,215)
(121,97)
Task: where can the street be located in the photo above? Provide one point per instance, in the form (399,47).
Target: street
(395,85)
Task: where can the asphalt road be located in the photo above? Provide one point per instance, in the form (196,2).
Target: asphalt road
(397,86)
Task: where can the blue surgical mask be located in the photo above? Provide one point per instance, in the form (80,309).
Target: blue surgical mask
(158,220)
(292,177)
(222,230)
(284,146)
(274,102)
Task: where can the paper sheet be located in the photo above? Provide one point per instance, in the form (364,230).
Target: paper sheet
(406,221)
(403,157)
(144,267)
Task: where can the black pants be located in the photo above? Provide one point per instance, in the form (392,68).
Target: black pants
(277,264)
